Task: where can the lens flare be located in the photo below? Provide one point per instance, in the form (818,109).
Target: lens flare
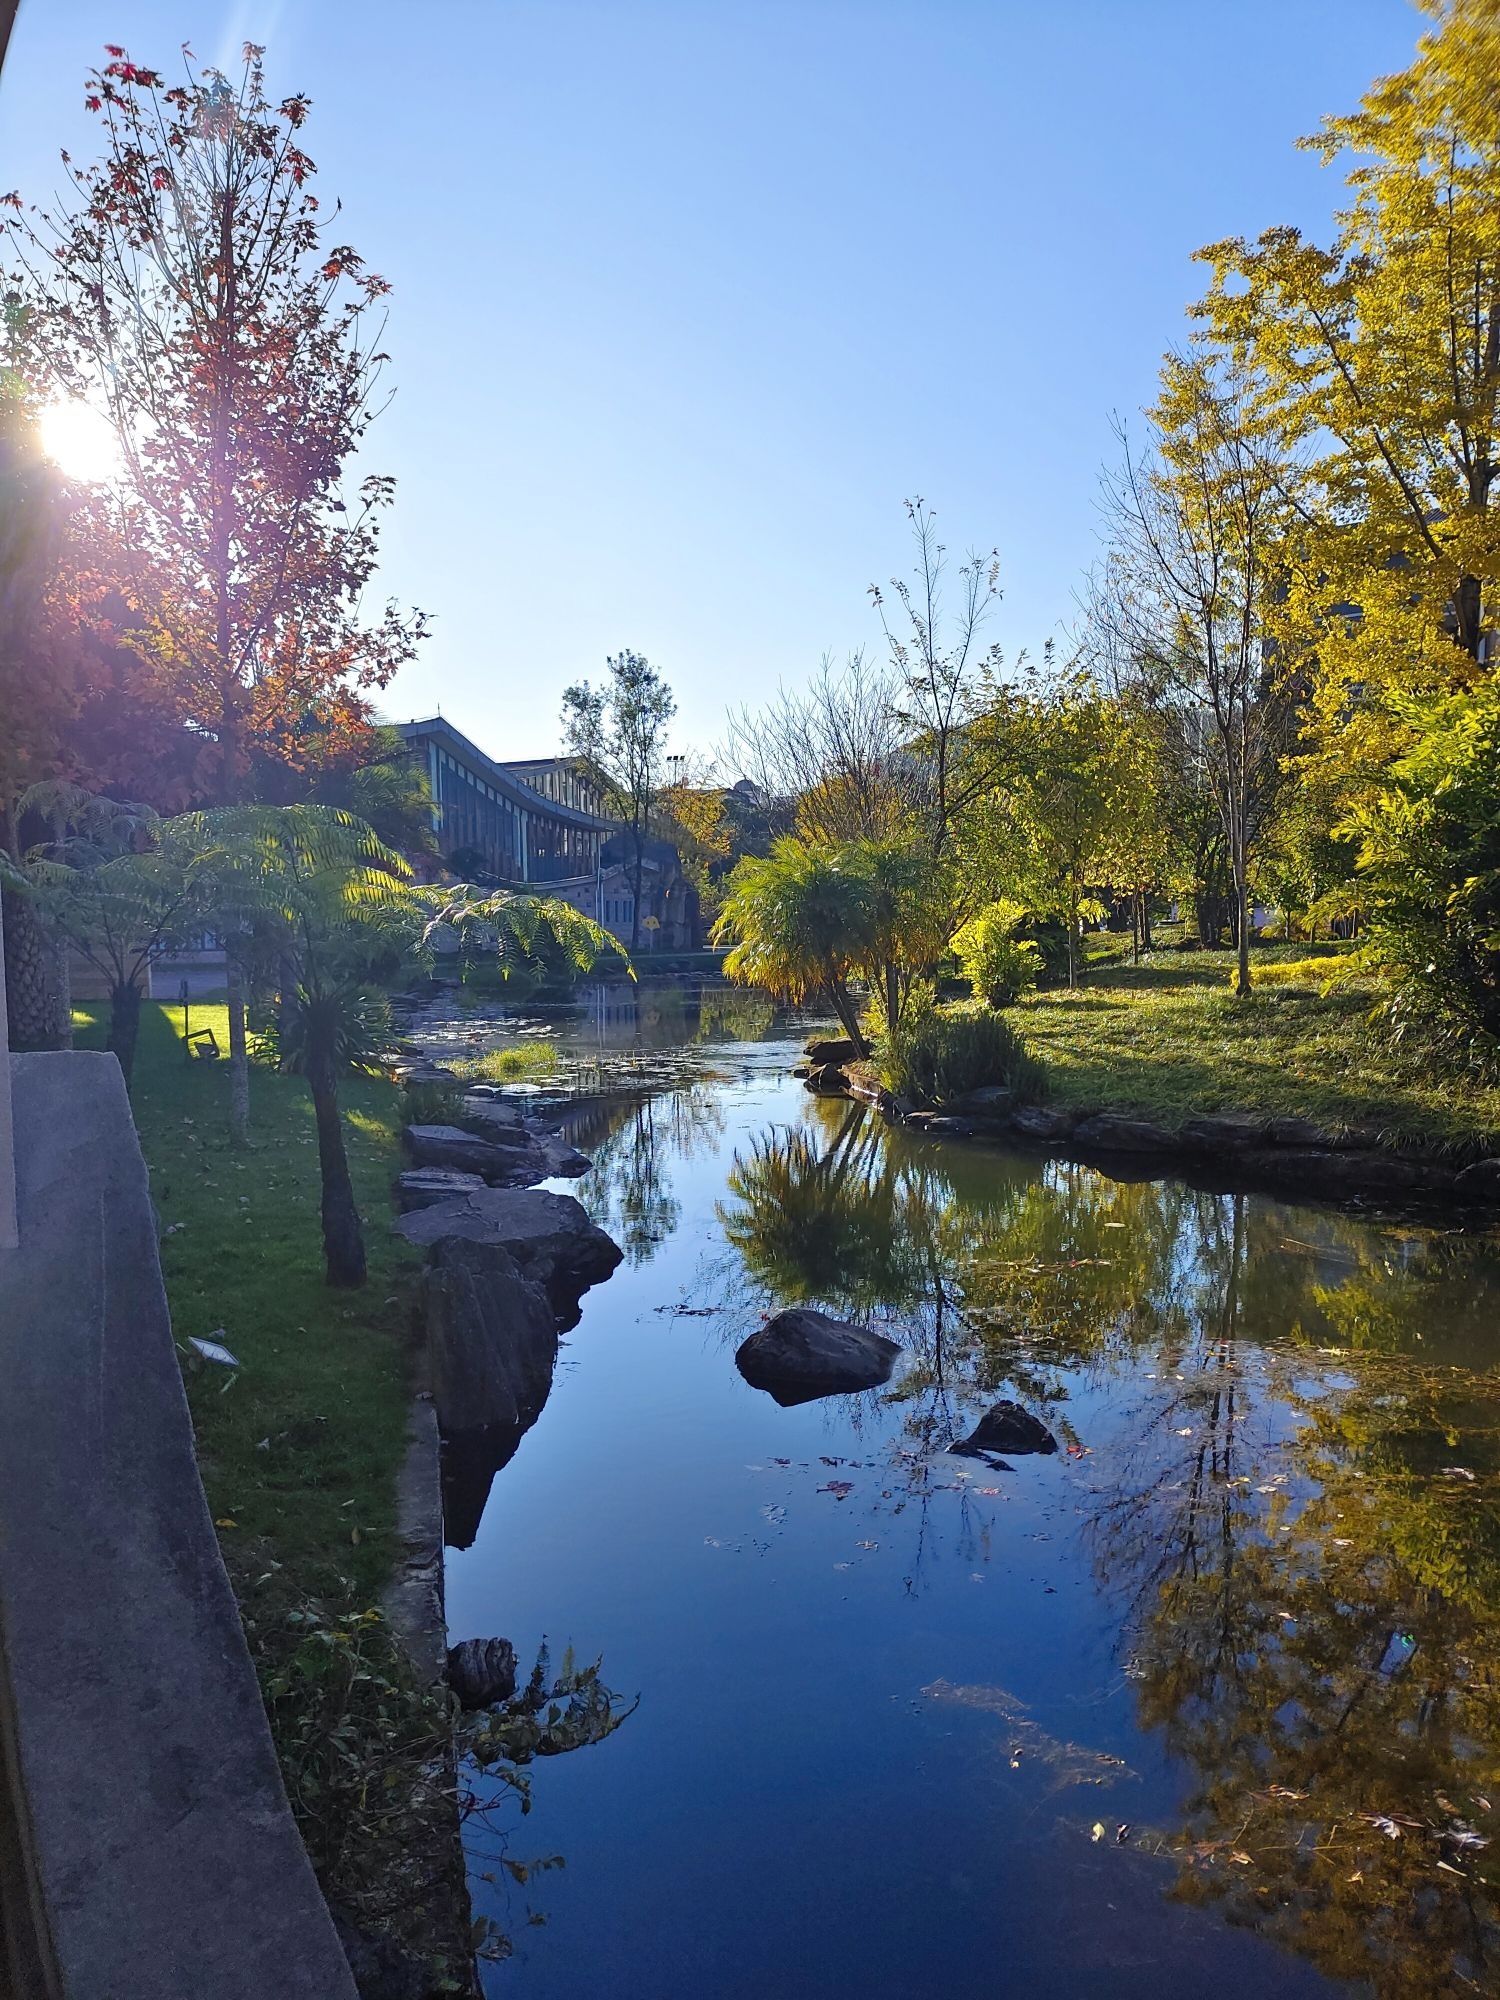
(80,442)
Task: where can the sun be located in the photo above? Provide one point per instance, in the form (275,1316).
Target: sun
(80,442)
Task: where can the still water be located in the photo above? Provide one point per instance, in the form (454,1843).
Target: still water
(1207,1702)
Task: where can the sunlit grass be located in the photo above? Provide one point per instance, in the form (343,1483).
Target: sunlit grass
(1169,1038)
(299,1447)
(509,1065)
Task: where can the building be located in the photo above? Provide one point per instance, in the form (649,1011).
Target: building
(537,824)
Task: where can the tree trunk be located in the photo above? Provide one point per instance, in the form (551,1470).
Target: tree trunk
(124,1026)
(31,979)
(848,1020)
(239,1058)
(343,1237)
(1241,919)
(635,885)
(64,996)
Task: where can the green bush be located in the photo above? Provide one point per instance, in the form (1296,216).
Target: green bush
(998,965)
(939,1054)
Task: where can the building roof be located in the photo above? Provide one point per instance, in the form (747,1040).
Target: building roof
(437,729)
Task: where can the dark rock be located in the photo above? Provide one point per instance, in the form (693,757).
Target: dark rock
(828,1079)
(486,1110)
(836,1049)
(562,1161)
(491,1338)
(1111,1132)
(1216,1130)
(940,1124)
(991,1100)
(451,1146)
(420,1187)
(1481,1182)
(803,1069)
(1007,1427)
(482,1672)
(1037,1121)
(802,1354)
(549,1236)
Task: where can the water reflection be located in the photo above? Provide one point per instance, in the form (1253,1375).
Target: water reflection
(633,1142)
(1293,1442)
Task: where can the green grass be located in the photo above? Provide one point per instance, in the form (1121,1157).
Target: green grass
(521,1060)
(300,1446)
(1168,1038)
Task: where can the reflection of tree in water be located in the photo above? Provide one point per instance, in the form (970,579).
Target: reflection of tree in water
(1297,1499)
(1313,1610)
(629,1192)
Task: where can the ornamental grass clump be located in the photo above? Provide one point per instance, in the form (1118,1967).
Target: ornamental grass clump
(939,1055)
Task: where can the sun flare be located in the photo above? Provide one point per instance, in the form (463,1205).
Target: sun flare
(80,442)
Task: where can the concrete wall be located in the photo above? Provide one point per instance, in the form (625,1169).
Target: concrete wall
(167,1860)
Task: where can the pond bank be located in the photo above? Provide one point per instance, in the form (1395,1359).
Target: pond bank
(1220,1151)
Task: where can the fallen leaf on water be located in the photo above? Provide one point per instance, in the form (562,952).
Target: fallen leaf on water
(987,1489)
(1080,1450)
(1185,1432)
(867,1545)
(1098,1830)
(839,1488)
(1238,1855)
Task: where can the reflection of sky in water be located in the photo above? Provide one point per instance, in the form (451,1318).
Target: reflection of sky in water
(1250,1616)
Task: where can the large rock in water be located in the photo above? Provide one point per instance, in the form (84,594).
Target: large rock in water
(1006,1428)
(835,1049)
(549,1236)
(491,1338)
(801,1354)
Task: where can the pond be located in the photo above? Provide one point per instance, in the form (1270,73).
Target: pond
(1208,1699)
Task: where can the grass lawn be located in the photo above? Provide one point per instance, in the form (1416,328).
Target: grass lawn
(299,1446)
(1168,1038)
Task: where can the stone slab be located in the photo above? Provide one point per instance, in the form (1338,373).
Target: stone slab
(168,1860)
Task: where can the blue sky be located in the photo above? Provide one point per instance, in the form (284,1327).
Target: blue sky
(691,294)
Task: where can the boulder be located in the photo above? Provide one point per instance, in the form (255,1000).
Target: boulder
(549,1236)
(562,1161)
(482,1672)
(834,1049)
(1481,1182)
(451,1146)
(421,1187)
(801,1354)
(485,1109)
(829,1079)
(1111,1132)
(1006,1428)
(1037,1121)
(940,1124)
(990,1100)
(491,1338)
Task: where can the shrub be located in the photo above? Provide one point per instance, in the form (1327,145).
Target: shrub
(998,965)
(939,1054)
(1322,972)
